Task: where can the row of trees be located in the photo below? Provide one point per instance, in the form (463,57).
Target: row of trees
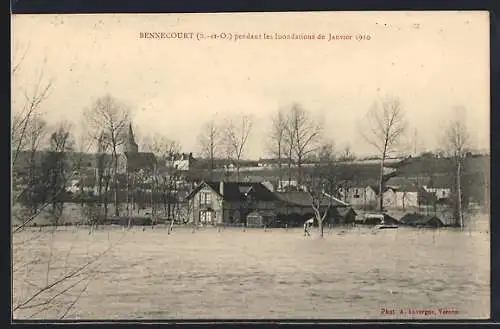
(227,139)
(109,120)
(44,178)
(296,136)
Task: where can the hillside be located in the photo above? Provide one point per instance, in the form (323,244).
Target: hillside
(431,171)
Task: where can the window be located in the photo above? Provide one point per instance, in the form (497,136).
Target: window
(356,194)
(205,198)
(206,217)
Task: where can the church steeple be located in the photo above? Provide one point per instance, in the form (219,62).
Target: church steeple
(131,146)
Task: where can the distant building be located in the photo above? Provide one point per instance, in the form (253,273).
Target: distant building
(360,195)
(300,203)
(289,185)
(440,192)
(272,163)
(180,161)
(133,161)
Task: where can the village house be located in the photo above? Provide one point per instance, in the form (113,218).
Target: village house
(244,202)
(180,161)
(399,193)
(406,194)
(359,195)
(441,192)
(289,185)
(228,202)
(297,206)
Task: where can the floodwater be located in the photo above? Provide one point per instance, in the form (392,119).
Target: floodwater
(352,273)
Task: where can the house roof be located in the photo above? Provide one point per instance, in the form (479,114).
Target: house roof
(140,160)
(272,160)
(303,199)
(237,191)
(419,219)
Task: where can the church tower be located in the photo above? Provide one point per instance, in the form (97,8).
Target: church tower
(131,146)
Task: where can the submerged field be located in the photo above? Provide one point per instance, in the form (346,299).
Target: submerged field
(351,273)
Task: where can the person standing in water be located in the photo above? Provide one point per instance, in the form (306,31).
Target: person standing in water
(306,229)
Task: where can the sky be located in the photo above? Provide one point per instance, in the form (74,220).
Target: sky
(433,62)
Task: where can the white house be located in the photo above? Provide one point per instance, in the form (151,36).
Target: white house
(181,161)
(439,192)
(365,196)
(359,195)
(410,196)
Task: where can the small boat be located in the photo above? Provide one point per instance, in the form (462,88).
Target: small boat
(385,226)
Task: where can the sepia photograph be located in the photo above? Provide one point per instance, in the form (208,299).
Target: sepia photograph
(251,166)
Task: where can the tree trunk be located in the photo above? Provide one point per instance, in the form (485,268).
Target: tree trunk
(381,185)
(128,196)
(320,224)
(212,162)
(106,201)
(299,171)
(115,181)
(31,180)
(152,202)
(459,194)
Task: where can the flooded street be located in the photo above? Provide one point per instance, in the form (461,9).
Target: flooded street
(352,274)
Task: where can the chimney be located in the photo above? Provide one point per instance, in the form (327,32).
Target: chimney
(221,188)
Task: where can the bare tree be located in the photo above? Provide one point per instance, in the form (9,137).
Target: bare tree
(83,144)
(277,137)
(26,110)
(28,130)
(347,154)
(209,142)
(35,134)
(34,292)
(56,167)
(109,118)
(457,141)
(305,135)
(386,124)
(288,144)
(323,183)
(167,151)
(237,132)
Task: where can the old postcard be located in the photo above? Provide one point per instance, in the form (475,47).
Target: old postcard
(313,165)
